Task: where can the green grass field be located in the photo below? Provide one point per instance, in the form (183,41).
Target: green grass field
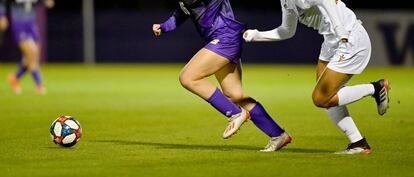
(138,121)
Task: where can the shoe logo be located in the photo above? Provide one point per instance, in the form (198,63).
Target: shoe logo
(383,95)
(341,57)
(215,41)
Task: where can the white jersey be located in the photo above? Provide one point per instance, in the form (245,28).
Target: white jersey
(333,20)
(317,18)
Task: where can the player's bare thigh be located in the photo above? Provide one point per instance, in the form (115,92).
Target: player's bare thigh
(203,64)
(328,84)
(30,50)
(320,68)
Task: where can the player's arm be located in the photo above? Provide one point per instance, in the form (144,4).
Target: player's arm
(333,14)
(285,31)
(178,18)
(171,24)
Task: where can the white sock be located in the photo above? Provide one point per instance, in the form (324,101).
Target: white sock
(340,116)
(350,94)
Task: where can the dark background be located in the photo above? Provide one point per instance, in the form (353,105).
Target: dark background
(123,32)
(250,4)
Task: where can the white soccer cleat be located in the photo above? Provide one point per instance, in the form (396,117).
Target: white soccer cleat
(359,147)
(235,122)
(277,143)
(357,150)
(381,95)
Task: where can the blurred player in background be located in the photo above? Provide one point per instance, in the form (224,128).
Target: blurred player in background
(4,23)
(221,56)
(346,51)
(25,32)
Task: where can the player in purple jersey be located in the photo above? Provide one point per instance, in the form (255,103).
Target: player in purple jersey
(25,32)
(221,56)
(4,23)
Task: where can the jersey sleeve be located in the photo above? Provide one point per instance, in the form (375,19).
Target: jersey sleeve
(174,21)
(285,31)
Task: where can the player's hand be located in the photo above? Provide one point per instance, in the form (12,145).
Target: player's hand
(4,23)
(156,28)
(49,3)
(248,35)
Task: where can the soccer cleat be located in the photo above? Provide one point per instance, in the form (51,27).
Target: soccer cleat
(381,95)
(359,147)
(41,90)
(277,143)
(235,122)
(14,83)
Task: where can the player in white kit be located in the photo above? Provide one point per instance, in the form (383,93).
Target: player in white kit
(346,51)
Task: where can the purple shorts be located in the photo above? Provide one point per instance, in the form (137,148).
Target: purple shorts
(23,26)
(227,43)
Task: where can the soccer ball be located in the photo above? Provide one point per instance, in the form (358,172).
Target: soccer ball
(65,131)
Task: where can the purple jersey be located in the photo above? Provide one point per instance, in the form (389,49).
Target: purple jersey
(23,22)
(207,15)
(214,20)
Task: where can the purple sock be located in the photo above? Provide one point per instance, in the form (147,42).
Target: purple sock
(264,122)
(223,104)
(36,77)
(21,71)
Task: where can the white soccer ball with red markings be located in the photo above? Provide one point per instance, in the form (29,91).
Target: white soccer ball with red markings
(66,131)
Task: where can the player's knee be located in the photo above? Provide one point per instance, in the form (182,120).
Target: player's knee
(33,66)
(234,96)
(32,63)
(185,80)
(321,101)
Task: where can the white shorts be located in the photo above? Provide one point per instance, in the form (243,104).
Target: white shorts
(351,57)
